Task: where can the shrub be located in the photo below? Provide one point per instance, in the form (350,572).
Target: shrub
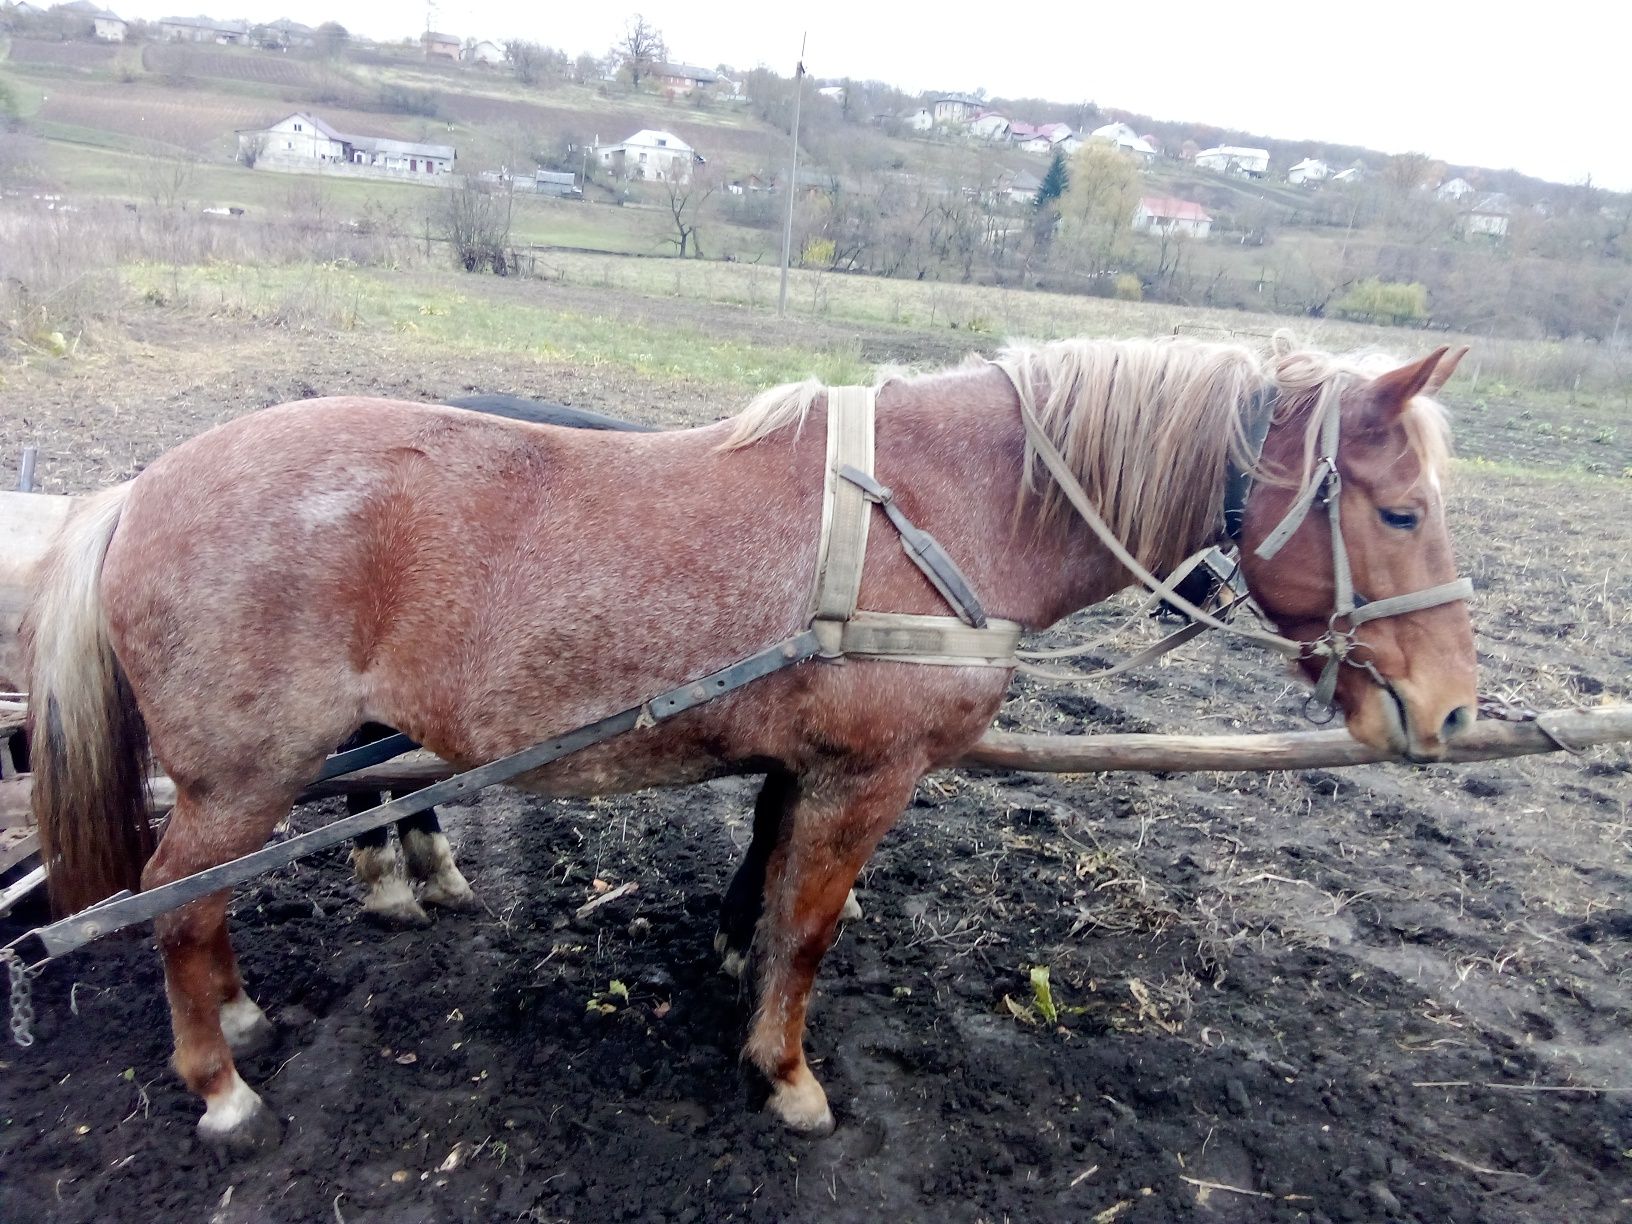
(1388,302)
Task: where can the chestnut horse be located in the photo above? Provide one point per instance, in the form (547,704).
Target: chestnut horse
(261,591)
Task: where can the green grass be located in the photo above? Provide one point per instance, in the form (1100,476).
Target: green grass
(453,314)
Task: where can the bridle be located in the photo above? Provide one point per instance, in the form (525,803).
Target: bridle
(1323,487)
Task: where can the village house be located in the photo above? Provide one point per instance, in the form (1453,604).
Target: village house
(302,141)
(204,30)
(1016,187)
(106,26)
(833,93)
(1161,215)
(1045,138)
(1489,215)
(439,46)
(558,183)
(650,155)
(1125,140)
(921,120)
(1353,174)
(681,80)
(1309,170)
(955,108)
(484,51)
(989,125)
(1454,191)
(282,34)
(1230,159)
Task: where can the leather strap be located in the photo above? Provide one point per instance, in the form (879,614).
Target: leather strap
(923,550)
(845,511)
(905,638)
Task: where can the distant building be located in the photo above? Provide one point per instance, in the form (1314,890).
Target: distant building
(204,30)
(440,46)
(1231,159)
(1454,191)
(485,52)
(1017,187)
(650,155)
(304,141)
(557,183)
(1353,174)
(1309,170)
(956,108)
(833,93)
(1489,215)
(1124,139)
(921,120)
(282,34)
(106,26)
(989,125)
(1161,215)
(679,80)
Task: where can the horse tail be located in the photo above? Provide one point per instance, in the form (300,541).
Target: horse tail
(88,742)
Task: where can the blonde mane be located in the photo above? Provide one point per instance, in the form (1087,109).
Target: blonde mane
(1149,426)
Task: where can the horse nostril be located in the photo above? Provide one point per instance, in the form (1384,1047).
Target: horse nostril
(1456,722)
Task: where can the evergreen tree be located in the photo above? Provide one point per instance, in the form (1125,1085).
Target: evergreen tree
(1055,182)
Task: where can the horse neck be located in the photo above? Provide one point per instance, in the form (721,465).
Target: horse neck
(953,447)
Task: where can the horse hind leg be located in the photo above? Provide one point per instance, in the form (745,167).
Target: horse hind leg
(430,859)
(744,898)
(210,1013)
(377,863)
(835,824)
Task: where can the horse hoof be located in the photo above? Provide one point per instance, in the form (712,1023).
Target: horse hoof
(401,916)
(852,908)
(463,901)
(802,1108)
(239,1124)
(734,964)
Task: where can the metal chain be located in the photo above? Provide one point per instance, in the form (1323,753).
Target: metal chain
(22,999)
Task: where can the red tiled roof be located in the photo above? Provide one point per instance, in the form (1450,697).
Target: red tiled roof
(1173,210)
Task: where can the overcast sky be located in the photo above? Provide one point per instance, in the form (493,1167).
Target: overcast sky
(1538,87)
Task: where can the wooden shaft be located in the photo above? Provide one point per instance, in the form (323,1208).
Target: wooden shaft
(1486,740)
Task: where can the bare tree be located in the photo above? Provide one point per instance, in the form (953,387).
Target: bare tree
(641,48)
(475,223)
(251,147)
(166,181)
(686,197)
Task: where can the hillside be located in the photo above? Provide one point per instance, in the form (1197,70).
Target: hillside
(875,196)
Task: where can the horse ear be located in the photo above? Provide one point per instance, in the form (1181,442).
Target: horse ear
(1446,367)
(1391,392)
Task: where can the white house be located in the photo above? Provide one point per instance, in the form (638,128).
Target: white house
(921,120)
(650,155)
(1161,215)
(1231,159)
(1309,170)
(1454,191)
(1352,175)
(303,141)
(106,26)
(204,30)
(1017,187)
(484,52)
(956,108)
(1125,140)
(1489,215)
(989,126)
(833,93)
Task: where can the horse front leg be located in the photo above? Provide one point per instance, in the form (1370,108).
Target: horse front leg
(834,826)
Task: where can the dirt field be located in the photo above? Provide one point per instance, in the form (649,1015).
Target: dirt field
(1373,994)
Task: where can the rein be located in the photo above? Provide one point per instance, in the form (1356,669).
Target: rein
(1324,486)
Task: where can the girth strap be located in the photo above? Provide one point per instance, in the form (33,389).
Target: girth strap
(845,511)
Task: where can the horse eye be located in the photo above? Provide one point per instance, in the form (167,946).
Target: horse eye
(1403,520)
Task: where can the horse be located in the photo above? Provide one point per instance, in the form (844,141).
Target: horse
(262,590)
(421,850)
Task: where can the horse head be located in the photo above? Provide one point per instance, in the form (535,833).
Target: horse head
(1368,453)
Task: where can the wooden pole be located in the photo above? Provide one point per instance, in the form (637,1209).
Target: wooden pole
(1486,740)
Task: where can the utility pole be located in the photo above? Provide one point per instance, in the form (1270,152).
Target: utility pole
(793,180)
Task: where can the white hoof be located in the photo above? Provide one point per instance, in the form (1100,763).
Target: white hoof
(852,908)
(245,1026)
(391,900)
(238,1120)
(430,859)
(801,1105)
(450,891)
(734,964)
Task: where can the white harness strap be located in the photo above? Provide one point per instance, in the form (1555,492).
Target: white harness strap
(846,512)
